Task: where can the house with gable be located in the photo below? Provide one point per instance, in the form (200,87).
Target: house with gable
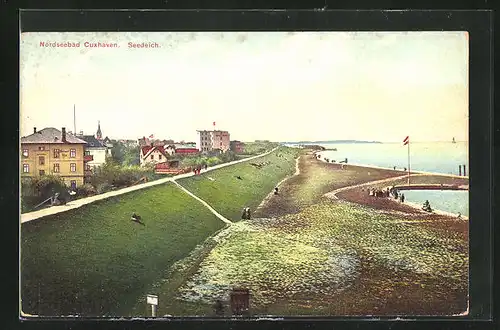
(152,155)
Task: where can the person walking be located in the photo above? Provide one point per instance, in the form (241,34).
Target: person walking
(402,198)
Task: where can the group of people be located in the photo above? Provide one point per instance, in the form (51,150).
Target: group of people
(427,206)
(378,192)
(245,215)
(388,192)
(197,170)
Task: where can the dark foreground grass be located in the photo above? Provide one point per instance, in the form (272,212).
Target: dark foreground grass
(94,261)
(228,194)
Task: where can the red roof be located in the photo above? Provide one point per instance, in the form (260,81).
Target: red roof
(186,150)
(148,149)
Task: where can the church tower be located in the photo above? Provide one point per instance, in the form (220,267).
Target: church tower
(98,135)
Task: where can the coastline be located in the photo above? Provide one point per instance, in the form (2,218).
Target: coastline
(435,211)
(392,169)
(413,173)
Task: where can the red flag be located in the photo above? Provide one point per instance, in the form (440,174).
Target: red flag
(151,136)
(406,140)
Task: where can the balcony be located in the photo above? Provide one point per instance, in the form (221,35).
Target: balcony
(88,158)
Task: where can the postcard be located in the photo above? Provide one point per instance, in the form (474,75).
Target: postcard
(244,174)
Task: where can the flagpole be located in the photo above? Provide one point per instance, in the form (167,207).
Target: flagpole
(408,162)
(74,118)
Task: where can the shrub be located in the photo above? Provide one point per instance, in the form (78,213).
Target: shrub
(103,187)
(38,189)
(47,185)
(213,161)
(86,190)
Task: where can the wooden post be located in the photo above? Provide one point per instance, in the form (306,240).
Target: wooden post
(408,162)
(153,301)
(460,170)
(153,310)
(465,171)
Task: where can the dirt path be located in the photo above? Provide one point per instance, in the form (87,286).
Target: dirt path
(25,217)
(313,179)
(271,194)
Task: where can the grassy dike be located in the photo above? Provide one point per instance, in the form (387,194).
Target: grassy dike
(318,256)
(228,194)
(95,261)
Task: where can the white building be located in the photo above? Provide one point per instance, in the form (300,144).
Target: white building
(97,151)
(213,140)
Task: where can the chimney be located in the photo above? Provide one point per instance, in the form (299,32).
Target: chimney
(81,133)
(64,135)
(152,144)
(34,130)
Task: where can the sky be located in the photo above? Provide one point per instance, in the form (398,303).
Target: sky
(279,86)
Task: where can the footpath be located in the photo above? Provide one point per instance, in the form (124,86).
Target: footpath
(25,217)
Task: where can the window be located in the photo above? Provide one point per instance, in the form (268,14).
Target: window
(72,167)
(152,157)
(87,153)
(26,168)
(89,168)
(56,168)
(42,148)
(41,160)
(56,153)
(159,156)
(41,172)
(72,153)
(25,153)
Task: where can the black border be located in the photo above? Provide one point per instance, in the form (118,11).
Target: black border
(480,27)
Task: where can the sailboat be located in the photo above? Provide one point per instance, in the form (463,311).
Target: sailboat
(453,141)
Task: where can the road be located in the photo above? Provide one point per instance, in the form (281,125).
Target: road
(25,217)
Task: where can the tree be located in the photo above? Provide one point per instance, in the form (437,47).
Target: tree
(118,152)
(131,156)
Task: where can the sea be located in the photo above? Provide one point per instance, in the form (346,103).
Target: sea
(434,157)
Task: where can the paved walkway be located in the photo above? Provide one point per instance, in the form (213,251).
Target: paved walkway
(333,194)
(25,217)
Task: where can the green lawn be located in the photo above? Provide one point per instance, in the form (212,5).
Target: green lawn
(229,195)
(95,261)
